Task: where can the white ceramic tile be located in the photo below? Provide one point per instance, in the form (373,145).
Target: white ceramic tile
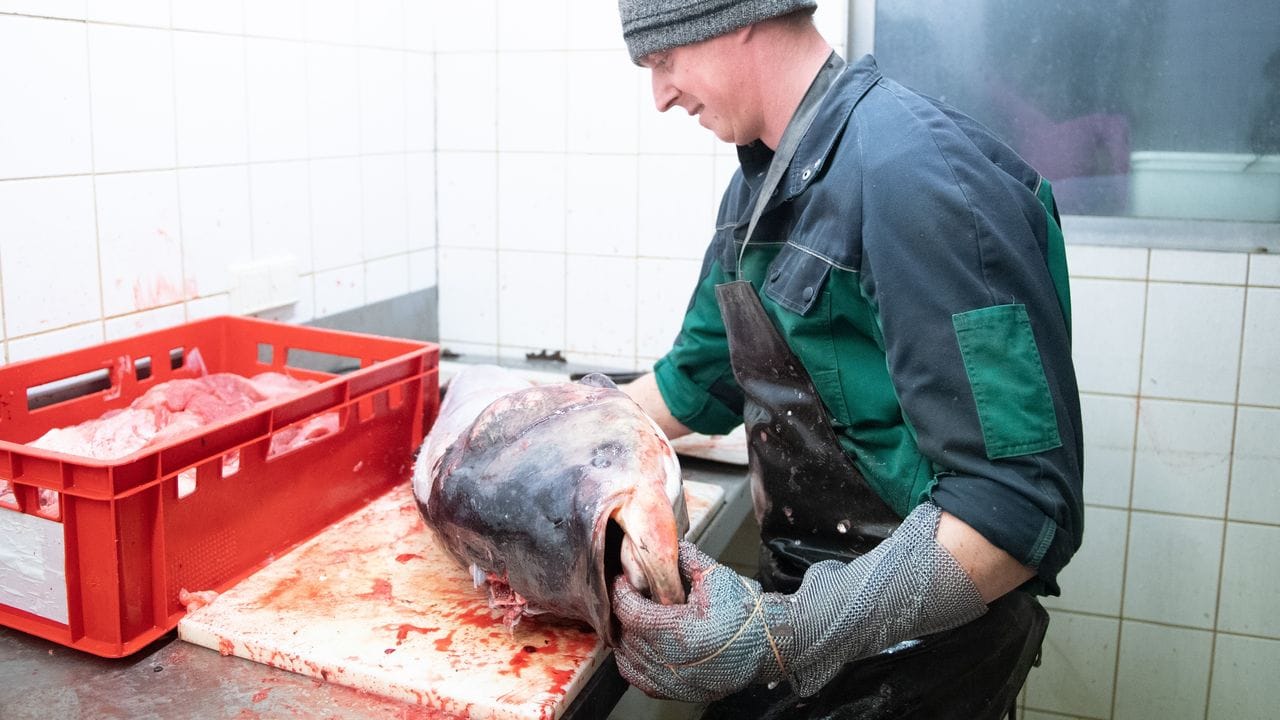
(420,104)
(275,18)
(1250,580)
(153,13)
(726,165)
(1192,343)
(419,24)
(277,72)
(601,305)
(386,278)
(71,9)
(466,27)
(1260,357)
(139,244)
(420,171)
(211,306)
(300,312)
(523,25)
(610,361)
(330,20)
(382,106)
(1183,457)
(600,199)
(210,79)
(531,299)
(1264,270)
(832,20)
(55,341)
(335,213)
(676,219)
(142,322)
(1163,672)
(333,100)
(1172,569)
(595,25)
(280,200)
(422,269)
(1115,263)
(219,17)
(1255,484)
(1106,320)
(663,290)
(215,226)
(604,107)
(468,295)
(1220,268)
(1078,661)
(1109,424)
(48,254)
(132,93)
(339,289)
(385,214)
(1091,582)
(44,128)
(532,101)
(475,351)
(1244,674)
(466,101)
(531,204)
(466,210)
(380,23)
(670,132)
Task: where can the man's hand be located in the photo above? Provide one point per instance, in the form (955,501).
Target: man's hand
(715,644)
(730,634)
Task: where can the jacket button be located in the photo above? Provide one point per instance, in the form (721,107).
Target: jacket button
(808,294)
(774,277)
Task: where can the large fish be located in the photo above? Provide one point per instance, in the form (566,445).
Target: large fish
(549,491)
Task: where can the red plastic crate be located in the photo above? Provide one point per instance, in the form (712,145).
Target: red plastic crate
(122,538)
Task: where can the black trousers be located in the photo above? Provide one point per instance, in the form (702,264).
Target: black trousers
(973,672)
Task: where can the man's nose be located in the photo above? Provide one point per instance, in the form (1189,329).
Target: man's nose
(664,93)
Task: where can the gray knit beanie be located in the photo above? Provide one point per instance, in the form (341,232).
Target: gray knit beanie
(651,26)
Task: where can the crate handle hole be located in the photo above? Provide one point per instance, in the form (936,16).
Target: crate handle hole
(68,388)
(266,353)
(304,433)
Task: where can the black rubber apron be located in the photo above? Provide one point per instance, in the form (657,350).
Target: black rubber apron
(813,504)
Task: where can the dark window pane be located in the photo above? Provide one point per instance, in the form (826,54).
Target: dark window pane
(1150,108)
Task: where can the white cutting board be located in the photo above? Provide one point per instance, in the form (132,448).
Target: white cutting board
(374,604)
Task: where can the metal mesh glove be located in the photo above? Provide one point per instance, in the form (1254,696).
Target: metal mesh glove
(730,634)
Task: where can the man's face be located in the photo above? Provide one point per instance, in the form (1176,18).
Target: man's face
(702,79)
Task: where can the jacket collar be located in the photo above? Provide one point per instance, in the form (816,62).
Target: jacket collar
(837,97)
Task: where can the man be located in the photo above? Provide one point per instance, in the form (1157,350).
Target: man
(884,305)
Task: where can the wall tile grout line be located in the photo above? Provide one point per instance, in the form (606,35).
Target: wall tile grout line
(1133,464)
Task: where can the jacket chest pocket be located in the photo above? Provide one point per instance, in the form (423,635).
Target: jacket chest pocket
(795,279)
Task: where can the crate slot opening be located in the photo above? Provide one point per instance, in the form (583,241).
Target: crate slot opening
(7,497)
(186,483)
(321,361)
(142,366)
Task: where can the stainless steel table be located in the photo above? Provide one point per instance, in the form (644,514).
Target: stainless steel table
(40,680)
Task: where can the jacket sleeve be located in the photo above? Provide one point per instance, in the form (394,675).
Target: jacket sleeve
(976,340)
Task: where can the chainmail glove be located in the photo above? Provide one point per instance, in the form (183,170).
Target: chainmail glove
(730,634)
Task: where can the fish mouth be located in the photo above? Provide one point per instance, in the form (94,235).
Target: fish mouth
(641,541)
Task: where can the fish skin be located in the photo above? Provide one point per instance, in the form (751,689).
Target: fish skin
(522,481)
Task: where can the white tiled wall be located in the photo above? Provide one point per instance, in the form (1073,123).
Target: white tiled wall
(512,149)
(147,146)
(1168,611)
